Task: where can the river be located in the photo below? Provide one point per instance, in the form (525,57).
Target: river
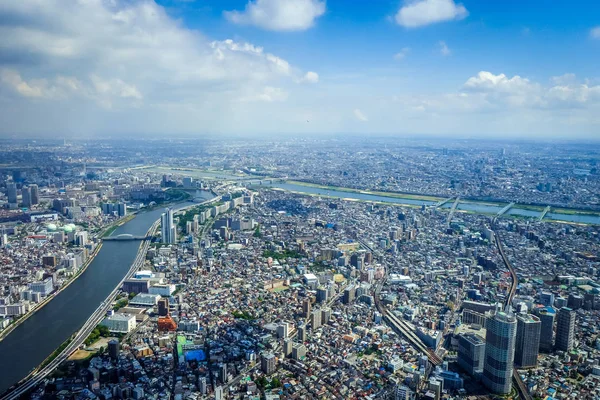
(44,331)
(481,208)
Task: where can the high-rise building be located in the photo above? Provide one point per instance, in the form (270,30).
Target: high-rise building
(11,192)
(287,346)
(202,385)
(315,319)
(547,298)
(565,329)
(471,353)
(325,315)
(298,351)
(306,307)
(113,349)
(499,352)
(528,340)
(575,301)
(282,330)
(322,294)
(302,333)
(268,363)
(547,316)
(168,229)
(163,307)
(26,196)
(223,373)
(122,209)
(35,194)
(349,294)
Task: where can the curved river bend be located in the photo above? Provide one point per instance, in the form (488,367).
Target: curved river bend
(44,331)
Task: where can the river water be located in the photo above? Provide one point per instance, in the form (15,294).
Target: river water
(42,333)
(482,208)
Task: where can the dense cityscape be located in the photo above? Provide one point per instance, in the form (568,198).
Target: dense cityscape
(375,269)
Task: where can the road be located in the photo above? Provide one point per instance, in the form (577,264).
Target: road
(396,323)
(523,393)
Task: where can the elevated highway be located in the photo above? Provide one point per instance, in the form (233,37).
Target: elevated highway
(520,385)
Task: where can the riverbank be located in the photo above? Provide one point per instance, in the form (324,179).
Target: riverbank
(81,270)
(32,373)
(435,198)
(397,195)
(518,211)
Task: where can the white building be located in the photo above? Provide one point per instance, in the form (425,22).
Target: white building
(163,290)
(44,287)
(145,300)
(168,230)
(120,323)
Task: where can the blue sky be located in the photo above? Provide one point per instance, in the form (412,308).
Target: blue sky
(173,67)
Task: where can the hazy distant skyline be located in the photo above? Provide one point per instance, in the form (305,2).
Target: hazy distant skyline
(180,67)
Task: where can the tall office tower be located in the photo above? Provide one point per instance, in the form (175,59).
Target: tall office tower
(306,307)
(287,346)
(202,385)
(113,349)
(547,299)
(302,333)
(267,363)
(349,294)
(321,294)
(528,340)
(282,330)
(315,319)
(546,315)
(499,352)
(11,192)
(122,209)
(471,353)
(26,196)
(35,194)
(565,329)
(223,373)
(163,307)
(575,301)
(168,229)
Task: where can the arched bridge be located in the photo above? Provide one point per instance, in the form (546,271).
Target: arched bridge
(127,236)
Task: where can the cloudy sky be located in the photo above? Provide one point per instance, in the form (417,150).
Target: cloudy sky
(474,68)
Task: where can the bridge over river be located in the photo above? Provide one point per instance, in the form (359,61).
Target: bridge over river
(127,236)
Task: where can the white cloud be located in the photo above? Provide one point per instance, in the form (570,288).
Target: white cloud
(595,33)
(268,94)
(402,54)
(359,115)
(444,50)
(419,13)
(127,53)
(279,15)
(310,77)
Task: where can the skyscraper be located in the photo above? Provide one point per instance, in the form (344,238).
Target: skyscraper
(167,227)
(471,353)
(565,329)
(528,340)
(163,307)
(11,192)
(546,315)
(26,196)
(35,194)
(499,352)
(122,209)
(268,363)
